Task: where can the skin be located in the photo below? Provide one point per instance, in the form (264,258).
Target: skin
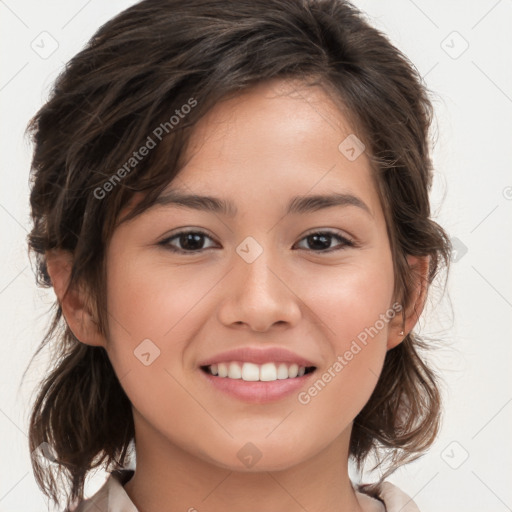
(258,149)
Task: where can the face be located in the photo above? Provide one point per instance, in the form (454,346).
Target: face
(307,289)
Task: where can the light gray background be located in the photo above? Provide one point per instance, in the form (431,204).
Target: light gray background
(468,469)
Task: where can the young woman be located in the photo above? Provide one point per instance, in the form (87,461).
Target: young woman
(230,200)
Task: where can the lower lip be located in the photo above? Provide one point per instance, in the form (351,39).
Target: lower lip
(258,392)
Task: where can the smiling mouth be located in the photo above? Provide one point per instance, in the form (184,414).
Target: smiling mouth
(251,372)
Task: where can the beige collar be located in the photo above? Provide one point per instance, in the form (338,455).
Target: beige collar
(112,497)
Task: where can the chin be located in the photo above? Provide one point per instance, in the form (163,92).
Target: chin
(258,456)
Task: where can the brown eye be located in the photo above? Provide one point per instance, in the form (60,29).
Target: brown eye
(191,242)
(188,241)
(321,241)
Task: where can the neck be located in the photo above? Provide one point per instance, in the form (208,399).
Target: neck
(168,479)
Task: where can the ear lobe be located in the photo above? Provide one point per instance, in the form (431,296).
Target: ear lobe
(404,323)
(73,302)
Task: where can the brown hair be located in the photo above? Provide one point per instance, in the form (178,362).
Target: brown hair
(136,71)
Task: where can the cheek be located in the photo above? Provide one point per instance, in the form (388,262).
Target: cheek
(351,299)
(153,301)
(152,318)
(354,305)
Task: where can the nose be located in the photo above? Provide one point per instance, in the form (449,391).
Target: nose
(259,295)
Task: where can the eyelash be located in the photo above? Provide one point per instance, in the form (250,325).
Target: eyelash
(345,241)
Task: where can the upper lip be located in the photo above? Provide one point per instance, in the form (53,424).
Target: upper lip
(258,356)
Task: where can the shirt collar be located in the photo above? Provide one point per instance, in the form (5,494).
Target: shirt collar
(112,497)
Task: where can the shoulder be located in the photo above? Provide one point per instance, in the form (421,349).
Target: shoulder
(395,499)
(111,497)
(387,498)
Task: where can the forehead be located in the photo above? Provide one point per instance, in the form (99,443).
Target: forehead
(278,138)
(278,113)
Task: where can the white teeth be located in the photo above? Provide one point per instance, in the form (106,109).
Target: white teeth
(293,371)
(268,372)
(251,372)
(282,371)
(235,372)
(223,369)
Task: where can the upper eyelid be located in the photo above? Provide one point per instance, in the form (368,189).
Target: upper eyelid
(186,231)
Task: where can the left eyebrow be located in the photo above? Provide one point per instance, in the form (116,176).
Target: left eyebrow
(297,205)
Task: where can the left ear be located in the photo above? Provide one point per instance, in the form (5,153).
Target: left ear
(406,320)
